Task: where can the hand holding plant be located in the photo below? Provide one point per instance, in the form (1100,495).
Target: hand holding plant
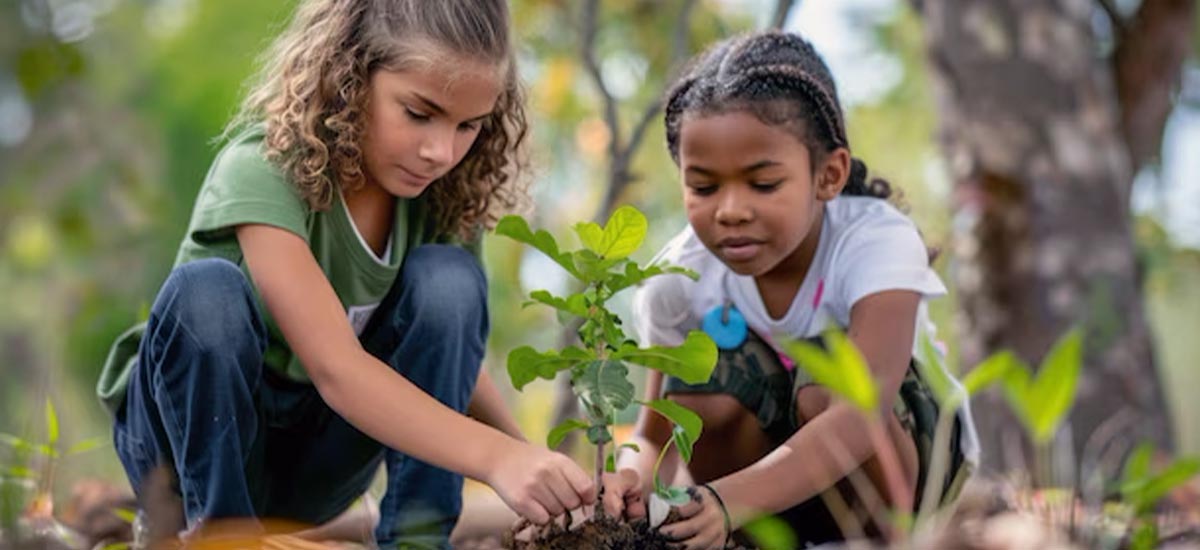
(599,368)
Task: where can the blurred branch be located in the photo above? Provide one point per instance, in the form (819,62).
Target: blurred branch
(591,15)
(620,153)
(1148,66)
(1118,21)
(780,15)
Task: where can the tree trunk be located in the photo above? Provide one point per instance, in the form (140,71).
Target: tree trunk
(1031,126)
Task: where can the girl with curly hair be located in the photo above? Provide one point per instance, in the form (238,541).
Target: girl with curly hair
(327,310)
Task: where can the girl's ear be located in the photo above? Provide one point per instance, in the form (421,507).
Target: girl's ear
(833,174)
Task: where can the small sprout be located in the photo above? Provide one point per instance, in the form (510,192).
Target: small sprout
(599,370)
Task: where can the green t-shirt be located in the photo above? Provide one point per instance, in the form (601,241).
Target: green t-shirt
(243,187)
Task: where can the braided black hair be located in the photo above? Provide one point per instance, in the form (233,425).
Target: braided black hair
(780,79)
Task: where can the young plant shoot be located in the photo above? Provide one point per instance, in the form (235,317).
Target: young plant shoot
(599,368)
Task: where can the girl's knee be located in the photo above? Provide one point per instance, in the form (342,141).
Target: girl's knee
(810,401)
(209,302)
(444,281)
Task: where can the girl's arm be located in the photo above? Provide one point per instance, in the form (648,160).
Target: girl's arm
(488,406)
(535,482)
(882,325)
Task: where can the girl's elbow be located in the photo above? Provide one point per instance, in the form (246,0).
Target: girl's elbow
(327,379)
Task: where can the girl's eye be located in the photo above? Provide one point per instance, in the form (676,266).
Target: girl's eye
(765,186)
(415,115)
(702,190)
(468,127)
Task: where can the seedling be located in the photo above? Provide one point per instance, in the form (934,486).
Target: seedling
(599,368)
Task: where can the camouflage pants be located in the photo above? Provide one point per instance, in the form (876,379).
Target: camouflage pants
(754,375)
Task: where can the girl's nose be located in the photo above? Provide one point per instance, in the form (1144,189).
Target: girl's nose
(733,208)
(437,149)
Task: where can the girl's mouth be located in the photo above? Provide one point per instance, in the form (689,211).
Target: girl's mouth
(739,249)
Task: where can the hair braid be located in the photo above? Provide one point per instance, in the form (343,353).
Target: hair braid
(779,78)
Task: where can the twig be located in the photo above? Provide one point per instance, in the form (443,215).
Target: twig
(780,15)
(591,14)
(1114,15)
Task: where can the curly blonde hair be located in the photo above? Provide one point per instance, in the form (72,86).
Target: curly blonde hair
(312,91)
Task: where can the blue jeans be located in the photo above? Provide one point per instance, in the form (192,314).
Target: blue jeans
(244,442)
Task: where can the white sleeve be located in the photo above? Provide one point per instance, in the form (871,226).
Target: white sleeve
(661,310)
(885,255)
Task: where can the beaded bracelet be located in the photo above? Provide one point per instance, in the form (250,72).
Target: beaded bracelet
(724,512)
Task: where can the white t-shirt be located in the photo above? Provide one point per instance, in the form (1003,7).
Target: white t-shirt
(866,246)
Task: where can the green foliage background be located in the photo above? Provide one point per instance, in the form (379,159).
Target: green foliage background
(95,198)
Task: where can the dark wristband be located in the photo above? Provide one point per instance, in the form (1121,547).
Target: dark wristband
(724,512)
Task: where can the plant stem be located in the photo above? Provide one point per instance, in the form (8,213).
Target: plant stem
(658,463)
(890,464)
(600,481)
(935,482)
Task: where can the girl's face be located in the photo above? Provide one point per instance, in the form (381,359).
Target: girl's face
(422,121)
(751,194)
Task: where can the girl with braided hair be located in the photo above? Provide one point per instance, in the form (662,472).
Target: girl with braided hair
(789,239)
(327,312)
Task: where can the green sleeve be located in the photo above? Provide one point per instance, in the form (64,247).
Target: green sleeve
(244,187)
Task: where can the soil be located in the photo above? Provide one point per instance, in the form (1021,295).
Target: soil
(597,533)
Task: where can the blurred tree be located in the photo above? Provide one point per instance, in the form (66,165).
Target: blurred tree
(1043,137)
(661,60)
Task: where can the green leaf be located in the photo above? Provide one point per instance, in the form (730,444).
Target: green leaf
(1159,485)
(624,232)
(598,435)
(526,364)
(692,362)
(125,514)
(991,370)
(86,445)
(1016,390)
(842,369)
(603,388)
(20,472)
(16,443)
(1137,468)
(675,496)
(516,228)
(51,423)
(592,267)
(771,533)
(116,546)
(933,372)
(621,235)
(591,235)
(1145,537)
(574,304)
(610,463)
(684,442)
(635,274)
(556,435)
(688,425)
(633,446)
(854,370)
(1053,390)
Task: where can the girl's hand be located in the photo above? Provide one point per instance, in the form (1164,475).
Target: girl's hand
(704,524)
(623,494)
(540,484)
